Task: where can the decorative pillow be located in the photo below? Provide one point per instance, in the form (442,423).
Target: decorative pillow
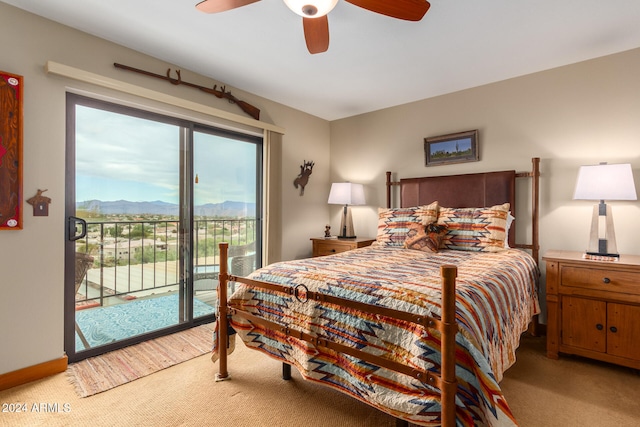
(475,229)
(393,223)
(426,238)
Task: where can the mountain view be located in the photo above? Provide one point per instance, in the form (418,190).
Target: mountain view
(228,209)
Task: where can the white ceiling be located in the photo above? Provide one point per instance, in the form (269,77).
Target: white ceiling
(373,61)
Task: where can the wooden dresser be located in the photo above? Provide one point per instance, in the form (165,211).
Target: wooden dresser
(593,307)
(322,246)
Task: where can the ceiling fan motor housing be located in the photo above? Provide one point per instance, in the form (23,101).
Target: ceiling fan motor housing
(311,8)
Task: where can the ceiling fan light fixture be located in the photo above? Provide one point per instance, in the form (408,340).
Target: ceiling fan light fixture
(311,8)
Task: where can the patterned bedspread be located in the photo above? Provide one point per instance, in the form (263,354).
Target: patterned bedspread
(496,299)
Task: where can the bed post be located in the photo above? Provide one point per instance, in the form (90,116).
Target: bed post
(389,189)
(534,174)
(534,328)
(223,335)
(448,332)
(535,195)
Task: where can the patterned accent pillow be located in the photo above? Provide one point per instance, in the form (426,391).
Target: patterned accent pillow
(475,229)
(426,238)
(393,223)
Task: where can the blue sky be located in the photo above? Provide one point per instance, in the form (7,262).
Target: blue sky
(121,157)
(450,146)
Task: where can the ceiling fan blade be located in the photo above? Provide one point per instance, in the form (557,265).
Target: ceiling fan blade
(316,34)
(215,6)
(410,10)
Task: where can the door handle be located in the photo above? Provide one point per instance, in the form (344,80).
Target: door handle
(73,228)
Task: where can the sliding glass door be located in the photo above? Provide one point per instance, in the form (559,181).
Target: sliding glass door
(227,200)
(148,200)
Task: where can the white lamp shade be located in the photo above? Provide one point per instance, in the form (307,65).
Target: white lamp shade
(346,193)
(605,182)
(311,8)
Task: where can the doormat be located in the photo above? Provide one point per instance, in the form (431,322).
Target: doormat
(101,373)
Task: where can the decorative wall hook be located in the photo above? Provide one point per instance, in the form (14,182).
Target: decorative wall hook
(40,204)
(303,177)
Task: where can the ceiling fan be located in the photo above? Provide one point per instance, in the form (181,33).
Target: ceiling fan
(314,14)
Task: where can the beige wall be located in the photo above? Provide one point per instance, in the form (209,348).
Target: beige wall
(585,113)
(579,114)
(32,259)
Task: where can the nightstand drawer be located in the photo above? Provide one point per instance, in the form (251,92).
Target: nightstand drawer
(330,248)
(324,246)
(601,279)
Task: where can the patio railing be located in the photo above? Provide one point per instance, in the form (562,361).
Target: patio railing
(140,258)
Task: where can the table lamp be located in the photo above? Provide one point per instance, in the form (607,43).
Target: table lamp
(604,182)
(346,193)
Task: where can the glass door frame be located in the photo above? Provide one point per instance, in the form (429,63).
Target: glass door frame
(186,224)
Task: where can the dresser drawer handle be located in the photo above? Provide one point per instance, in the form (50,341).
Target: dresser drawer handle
(599,326)
(606,280)
(613,329)
(333,250)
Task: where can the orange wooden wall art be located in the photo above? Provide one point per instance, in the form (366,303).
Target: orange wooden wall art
(11,96)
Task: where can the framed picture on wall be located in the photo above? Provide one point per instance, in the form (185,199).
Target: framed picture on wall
(453,148)
(10,151)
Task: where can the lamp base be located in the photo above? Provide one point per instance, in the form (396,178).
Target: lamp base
(346,224)
(602,238)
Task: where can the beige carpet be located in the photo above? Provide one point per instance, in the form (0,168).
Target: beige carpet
(571,391)
(542,392)
(97,374)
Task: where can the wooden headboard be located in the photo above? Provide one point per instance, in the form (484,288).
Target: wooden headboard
(473,190)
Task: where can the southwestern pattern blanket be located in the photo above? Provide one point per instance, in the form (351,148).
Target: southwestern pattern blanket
(495,300)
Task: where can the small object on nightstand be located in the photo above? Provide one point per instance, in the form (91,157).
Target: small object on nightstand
(329,246)
(601,257)
(327,231)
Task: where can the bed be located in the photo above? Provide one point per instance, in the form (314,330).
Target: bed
(423,323)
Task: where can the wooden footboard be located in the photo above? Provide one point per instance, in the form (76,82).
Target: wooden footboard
(445,380)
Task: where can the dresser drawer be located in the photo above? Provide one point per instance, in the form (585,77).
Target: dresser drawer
(601,279)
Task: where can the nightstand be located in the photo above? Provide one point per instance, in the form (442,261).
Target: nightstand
(593,307)
(329,246)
